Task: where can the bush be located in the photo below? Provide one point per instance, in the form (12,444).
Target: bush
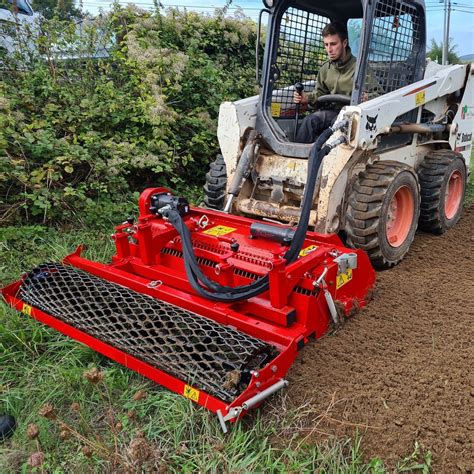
(75,127)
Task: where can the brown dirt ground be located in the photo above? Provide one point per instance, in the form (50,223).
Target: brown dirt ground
(402,370)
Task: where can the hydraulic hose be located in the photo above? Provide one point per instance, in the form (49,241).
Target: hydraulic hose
(196,276)
(202,284)
(315,158)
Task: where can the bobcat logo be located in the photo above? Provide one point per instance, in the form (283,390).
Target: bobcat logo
(371,124)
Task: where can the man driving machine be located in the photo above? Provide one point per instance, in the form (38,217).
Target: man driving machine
(334,77)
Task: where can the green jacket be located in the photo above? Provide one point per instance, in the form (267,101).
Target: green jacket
(334,78)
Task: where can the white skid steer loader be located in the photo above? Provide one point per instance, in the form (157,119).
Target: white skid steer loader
(392,163)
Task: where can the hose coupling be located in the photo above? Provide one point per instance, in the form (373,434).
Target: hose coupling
(338,141)
(339,125)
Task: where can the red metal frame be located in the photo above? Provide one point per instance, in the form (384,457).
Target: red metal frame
(291,311)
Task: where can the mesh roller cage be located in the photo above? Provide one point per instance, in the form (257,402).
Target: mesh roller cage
(211,357)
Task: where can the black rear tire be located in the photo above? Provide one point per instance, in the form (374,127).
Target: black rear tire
(382,212)
(443,180)
(216,183)
(7,427)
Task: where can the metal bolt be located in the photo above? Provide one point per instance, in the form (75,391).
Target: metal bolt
(274,368)
(258,384)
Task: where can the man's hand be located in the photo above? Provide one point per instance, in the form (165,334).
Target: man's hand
(300,98)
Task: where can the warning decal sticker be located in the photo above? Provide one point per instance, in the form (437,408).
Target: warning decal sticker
(276,109)
(307,250)
(420,98)
(219,230)
(191,393)
(343,278)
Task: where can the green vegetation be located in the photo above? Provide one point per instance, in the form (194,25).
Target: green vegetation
(64,9)
(436,52)
(73,131)
(470,185)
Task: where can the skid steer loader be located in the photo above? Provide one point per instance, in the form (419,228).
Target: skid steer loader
(400,162)
(215,306)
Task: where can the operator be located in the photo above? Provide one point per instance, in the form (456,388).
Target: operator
(334,77)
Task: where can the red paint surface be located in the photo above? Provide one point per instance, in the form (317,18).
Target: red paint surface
(150,251)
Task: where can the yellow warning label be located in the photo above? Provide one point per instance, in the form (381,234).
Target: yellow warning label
(219,230)
(307,250)
(191,393)
(343,278)
(276,109)
(26,309)
(420,98)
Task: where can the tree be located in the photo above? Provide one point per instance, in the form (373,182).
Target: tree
(436,52)
(64,9)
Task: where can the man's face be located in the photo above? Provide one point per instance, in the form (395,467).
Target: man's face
(335,47)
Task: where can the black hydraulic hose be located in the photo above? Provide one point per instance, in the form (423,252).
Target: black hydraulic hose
(315,158)
(195,275)
(189,257)
(231,294)
(199,280)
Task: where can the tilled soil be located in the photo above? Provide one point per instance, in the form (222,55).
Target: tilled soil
(402,369)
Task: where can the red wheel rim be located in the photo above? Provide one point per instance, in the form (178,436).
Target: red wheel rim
(401,211)
(453,195)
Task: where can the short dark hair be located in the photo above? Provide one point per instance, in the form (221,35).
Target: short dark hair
(335,28)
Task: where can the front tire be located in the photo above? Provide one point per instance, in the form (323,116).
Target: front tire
(443,187)
(382,212)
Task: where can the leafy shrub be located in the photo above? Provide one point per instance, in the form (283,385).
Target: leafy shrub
(76,127)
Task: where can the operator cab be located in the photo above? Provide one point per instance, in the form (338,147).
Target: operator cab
(387,38)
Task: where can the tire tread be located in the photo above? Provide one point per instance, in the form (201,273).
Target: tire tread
(432,175)
(216,183)
(365,206)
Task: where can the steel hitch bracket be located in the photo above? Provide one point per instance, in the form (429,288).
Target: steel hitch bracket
(235,412)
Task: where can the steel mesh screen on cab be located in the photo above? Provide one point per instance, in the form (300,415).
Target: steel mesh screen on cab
(393,48)
(300,54)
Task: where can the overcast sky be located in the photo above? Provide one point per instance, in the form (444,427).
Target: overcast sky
(461,28)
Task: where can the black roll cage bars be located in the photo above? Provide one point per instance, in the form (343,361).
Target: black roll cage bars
(272,134)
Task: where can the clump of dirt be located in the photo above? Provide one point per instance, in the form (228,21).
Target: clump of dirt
(401,370)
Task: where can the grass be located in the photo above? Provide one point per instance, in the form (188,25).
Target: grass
(125,422)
